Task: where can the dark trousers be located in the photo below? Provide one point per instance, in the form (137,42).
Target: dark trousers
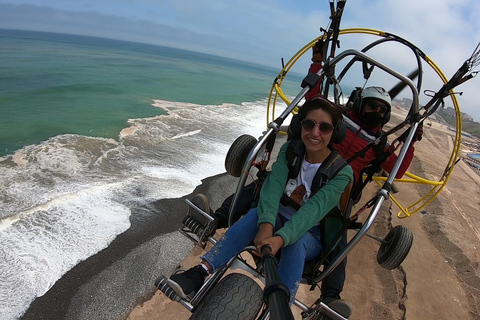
(332,285)
(244,203)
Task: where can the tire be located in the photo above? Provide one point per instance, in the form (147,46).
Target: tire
(238,153)
(396,247)
(236,296)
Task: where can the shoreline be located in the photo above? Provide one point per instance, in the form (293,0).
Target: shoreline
(110,284)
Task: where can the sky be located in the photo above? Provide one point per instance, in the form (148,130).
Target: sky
(266,31)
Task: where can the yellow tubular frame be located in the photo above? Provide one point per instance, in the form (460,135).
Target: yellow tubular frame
(437,186)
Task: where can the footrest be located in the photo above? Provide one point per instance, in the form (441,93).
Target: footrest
(198,226)
(162,285)
(320,310)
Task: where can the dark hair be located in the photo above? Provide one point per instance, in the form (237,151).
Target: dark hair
(336,112)
(321,103)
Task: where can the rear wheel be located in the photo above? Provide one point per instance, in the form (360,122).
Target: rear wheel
(395,248)
(234,297)
(238,153)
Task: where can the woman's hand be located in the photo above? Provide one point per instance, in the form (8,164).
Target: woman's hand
(275,243)
(265,231)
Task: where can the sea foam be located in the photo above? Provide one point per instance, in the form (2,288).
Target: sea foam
(70,196)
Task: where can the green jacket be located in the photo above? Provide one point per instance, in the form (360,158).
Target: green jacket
(311,212)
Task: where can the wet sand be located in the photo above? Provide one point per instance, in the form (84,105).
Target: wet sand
(111,283)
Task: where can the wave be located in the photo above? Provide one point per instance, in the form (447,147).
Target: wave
(67,198)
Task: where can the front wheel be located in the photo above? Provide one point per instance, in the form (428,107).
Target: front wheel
(235,297)
(238,153)
(395,247)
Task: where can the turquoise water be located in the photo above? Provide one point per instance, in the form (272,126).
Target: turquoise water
(70,182)
(54,84)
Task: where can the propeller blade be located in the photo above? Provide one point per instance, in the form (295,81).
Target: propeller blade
(401,85)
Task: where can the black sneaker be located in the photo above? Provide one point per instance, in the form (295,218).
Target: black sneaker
(188,281)
(340,306)
(221,220)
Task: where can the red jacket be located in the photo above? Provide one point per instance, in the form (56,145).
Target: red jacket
(358,137)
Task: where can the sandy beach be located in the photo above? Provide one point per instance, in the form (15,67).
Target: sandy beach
(438,280)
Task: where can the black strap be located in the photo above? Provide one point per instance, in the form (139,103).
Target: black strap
(287,201)
(375,165)
(330,167)
(377,147)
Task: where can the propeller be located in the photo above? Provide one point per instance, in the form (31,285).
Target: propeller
(401,85)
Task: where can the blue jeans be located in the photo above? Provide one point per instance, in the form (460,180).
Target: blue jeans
(293,257)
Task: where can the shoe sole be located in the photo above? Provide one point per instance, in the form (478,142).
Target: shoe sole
(201,201)
(341,307)
(176,287)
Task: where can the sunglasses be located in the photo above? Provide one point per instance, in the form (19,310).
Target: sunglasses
(376,105)
(324,127)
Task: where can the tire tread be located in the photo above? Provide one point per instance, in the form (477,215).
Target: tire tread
(392,255)
(235,297)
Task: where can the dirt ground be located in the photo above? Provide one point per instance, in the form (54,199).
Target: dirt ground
(439,279)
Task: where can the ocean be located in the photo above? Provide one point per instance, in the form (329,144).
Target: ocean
(91,128)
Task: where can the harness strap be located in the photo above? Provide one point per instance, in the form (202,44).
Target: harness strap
(330,167)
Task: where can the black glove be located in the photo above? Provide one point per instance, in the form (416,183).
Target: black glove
(318,46)
(317,54)
(419,132)
(416,137)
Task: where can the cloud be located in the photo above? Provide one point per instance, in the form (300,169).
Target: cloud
(265,31)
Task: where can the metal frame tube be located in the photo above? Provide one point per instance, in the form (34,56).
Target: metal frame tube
(382,193)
